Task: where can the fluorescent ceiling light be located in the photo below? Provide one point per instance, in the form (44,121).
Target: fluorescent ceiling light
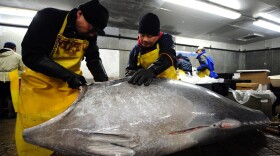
(207,7)
(267,25)
(269,17)
(19,22)
(234,4)
(17,12)
(164,9)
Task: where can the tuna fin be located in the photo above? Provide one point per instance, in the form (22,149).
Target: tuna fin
(101,148)
(123,140)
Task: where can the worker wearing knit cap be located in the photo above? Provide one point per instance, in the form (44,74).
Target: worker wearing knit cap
(55,44)
(154,55)
(206,64)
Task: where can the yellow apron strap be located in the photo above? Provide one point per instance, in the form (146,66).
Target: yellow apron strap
(64,25)
(14,86)
(139,59)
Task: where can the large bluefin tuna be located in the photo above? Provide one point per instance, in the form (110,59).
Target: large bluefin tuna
(117,118)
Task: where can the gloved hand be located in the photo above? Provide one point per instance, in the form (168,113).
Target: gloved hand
(97,70)
(76,81)
(101,78)
(142,76)
(130,72)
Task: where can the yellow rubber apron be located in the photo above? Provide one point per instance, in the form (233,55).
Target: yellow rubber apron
(14,87)
(43,97)
(180,73)
(203,73)
(147,59)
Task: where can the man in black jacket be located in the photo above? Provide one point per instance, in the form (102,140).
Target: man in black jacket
(54,46)
(154,55)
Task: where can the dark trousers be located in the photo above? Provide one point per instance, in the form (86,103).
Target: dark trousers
(6,105)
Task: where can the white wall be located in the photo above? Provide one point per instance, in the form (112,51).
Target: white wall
(115,51)
(110,60)
(12,34)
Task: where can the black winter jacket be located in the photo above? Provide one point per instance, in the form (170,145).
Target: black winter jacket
(166,45)
(39,40)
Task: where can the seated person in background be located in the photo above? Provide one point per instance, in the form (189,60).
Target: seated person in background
(184,63)
(154,55)
(206,67)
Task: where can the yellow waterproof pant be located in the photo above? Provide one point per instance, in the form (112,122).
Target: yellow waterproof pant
(14,85)
(41,98)
(204,73)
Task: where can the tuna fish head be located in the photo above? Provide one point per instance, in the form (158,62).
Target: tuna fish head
(117,118)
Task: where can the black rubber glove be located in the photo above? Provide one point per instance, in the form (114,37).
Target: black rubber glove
(97,70)
(130,72)
(142,76)
(76,81)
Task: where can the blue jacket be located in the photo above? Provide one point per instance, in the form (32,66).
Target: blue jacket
(206,62)
(183,63)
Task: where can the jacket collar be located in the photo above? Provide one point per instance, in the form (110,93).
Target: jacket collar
(203,52)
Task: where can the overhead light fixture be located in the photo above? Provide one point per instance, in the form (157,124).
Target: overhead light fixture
(16,16)
(17,12)
(269,17)
(164,9)
(234,4)
(250,37)
(207,7)
(16,22)
(267,25)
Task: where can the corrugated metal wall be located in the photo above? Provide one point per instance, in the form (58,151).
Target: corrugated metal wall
(264,59)
(225,61)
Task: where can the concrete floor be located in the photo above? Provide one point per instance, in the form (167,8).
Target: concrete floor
(7,137)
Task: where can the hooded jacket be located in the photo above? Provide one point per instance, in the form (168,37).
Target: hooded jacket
(184,63)
(206,62)
(9,60)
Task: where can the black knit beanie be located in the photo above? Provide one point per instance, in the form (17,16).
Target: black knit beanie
(10,45)
(149,24)
(96,14)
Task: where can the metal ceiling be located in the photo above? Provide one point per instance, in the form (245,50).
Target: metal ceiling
(177,20)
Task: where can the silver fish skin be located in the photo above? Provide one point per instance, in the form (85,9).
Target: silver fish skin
(121,119)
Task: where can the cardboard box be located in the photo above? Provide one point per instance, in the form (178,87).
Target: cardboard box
(256,76)
(275,80)
(247,86)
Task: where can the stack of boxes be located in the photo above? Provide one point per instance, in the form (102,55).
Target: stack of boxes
(259,80)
